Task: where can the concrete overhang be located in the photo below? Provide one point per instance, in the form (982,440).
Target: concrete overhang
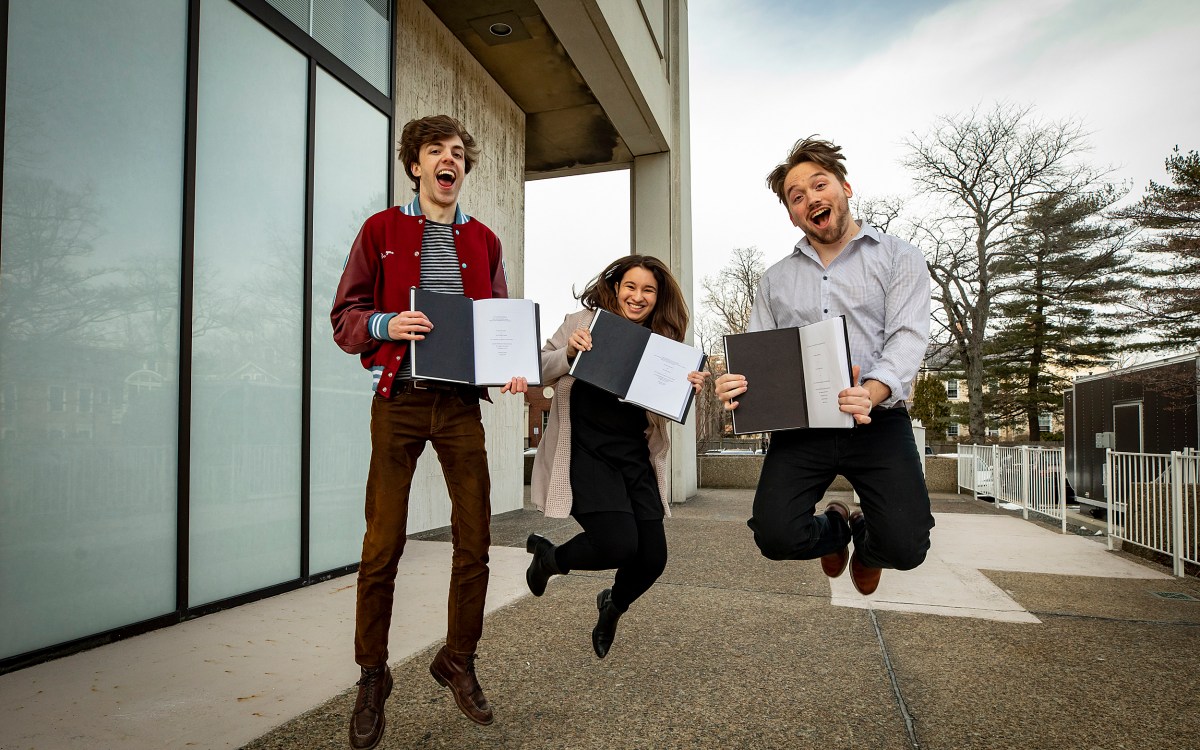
(579,69)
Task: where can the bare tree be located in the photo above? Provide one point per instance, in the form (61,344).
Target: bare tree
(986,169)
(729,294)
(728,297)
(880,213)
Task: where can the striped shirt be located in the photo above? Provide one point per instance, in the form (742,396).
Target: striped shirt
(879,282)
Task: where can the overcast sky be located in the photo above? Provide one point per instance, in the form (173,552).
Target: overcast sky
(867,74)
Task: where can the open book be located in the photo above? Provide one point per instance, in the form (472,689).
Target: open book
(481,342)
(639,366)
(793,376)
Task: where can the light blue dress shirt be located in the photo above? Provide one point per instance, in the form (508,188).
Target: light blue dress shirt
(879,282)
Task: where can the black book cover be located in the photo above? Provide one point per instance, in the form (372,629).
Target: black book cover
(773,400)
(448,351)
(618,344)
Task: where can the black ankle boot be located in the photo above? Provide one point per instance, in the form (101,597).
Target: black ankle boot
(606,624)
(542,566)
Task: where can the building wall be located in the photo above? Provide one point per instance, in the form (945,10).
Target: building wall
(434,74)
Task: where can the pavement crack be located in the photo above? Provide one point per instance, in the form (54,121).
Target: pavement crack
(887,663)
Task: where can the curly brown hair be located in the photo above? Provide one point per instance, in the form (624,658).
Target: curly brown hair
(417,133)
(821,152)
(670,314)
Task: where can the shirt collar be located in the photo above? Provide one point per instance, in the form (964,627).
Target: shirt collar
(414,209)
(864,230)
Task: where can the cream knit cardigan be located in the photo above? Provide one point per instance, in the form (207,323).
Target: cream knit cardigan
(550,485)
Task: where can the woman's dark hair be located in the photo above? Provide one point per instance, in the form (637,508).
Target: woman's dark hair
(670,314)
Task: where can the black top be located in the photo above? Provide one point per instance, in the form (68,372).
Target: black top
(610,458)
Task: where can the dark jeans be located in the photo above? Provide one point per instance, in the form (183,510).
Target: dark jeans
(400,428)
(879,459)
(637,549)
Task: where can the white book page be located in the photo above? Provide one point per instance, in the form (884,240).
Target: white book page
(660,383)
(506,344)
(826,372)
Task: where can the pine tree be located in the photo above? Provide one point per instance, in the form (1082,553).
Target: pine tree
(1071,263)
(929,405)
(1170,302)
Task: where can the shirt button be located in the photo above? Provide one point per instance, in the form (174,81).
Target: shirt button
(385,389)
(397,359)
(826,278)
(827,309)
(420,221)
(416,253)
(456,231)
(464,265)
(387,374)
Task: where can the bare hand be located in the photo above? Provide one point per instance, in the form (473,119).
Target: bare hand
(580,341)
(697,379)
(856,400)
(516,385)
(409,325)
(729,386)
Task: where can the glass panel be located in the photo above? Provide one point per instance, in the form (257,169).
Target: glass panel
(248,293)
(351,184)
(89,304)
(359,34)
(295,10)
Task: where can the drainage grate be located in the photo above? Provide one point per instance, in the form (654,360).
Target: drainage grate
(1177,595)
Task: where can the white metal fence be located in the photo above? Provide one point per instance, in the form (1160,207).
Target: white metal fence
(1154,502)
(1030,477)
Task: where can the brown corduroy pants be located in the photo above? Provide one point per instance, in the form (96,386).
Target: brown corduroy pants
(400,428)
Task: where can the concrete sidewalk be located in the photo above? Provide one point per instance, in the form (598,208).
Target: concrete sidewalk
(1011,635)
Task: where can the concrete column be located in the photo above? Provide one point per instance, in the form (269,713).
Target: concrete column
(661,225)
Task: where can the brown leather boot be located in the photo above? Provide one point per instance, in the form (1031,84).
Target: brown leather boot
(457,672)
(367,722)
(834,563)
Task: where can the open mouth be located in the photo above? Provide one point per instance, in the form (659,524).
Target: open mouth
(446,178)
(820,218)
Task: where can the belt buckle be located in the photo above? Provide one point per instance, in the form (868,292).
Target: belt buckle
(419,385)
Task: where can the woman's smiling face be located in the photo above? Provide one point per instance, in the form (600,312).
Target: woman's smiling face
(637,293)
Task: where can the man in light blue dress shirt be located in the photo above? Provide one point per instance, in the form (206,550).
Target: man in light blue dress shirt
(881,284)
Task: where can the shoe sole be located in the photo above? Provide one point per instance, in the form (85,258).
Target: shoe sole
(457,701)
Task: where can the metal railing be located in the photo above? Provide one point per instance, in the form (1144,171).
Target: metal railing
(1154,502)
(1030,477)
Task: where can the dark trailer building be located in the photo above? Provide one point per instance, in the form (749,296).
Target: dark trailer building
(1150,408)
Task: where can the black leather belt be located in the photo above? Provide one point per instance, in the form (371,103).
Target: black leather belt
(416,386)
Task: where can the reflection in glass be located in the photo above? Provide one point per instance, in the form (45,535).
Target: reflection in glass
(89,300)
(350,177)
(247,322)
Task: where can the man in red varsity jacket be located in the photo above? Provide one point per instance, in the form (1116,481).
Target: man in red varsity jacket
(429,243)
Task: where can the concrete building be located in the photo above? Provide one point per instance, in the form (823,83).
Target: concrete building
(181,182)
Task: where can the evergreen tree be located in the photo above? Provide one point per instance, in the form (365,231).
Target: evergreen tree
(1170,302)
(1071,264)
(929,405)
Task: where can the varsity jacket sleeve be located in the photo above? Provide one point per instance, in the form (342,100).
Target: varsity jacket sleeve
(355,303)
(496,261)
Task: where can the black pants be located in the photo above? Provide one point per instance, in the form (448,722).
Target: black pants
(881,462)
(637,549)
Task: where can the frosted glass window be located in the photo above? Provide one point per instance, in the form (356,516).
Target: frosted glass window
(357,32)
(93,194)
(350,177)
(247,309)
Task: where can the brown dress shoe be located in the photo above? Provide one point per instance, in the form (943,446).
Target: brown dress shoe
(834,564)
(457,672)
(864,578)
(367,722)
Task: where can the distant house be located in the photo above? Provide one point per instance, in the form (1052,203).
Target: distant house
(1149,408)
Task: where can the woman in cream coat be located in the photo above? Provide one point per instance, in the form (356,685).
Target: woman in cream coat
(601,460)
